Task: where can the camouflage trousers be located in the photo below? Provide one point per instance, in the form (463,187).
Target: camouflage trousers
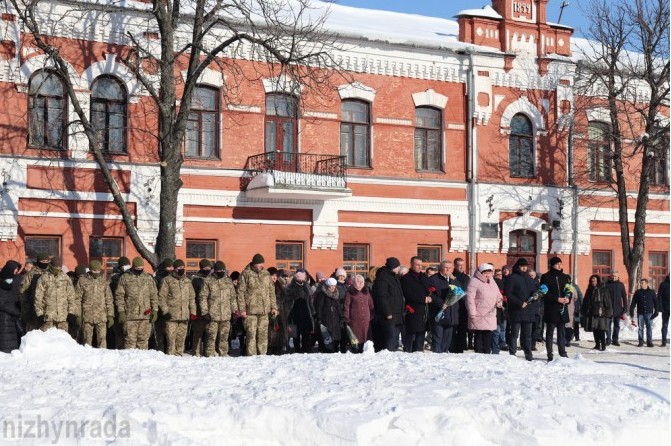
(217,338)
(63,325)
(198,327)
(100,329)
(175,333)
(256,326)
(137,334)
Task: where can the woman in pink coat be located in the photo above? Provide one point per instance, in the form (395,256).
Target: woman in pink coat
(482,299)
(358,309)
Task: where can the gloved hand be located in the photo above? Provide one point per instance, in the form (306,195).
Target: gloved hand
(207,317)
(110,321)
(153,317)
(122,318)
(193,317)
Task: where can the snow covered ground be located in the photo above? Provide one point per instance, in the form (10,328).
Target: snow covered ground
(55,391)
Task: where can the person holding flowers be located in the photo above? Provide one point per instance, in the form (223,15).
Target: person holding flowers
(556,314)
(444,316)
(482,299)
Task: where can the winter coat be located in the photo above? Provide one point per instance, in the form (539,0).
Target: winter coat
(278,336)
(256,293)
(574,306)
(342,291)
(482,299)
(519,287)
(177,297)
(218,298)
(618,294)
(415,290)
(198,282)
(597,308)
(327,306)
(663,297)
(554,312)
(96,297)
(27,290)
(301,307)
(359,311)
(388,297)
(10,312)
(645,302)
(135,294)
(55,297)
(438,298)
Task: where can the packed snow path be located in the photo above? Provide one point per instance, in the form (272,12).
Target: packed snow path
(620,396)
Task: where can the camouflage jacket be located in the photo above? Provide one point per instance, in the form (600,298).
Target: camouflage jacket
(256,293)
(177,297)
(218,298)
(198,282)
(96,297)
(135,294)
(55,297)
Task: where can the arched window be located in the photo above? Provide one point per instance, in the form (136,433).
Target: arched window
(281,128)
(202,126)
(108,113)
(600,162)
(46,111)
(355,133)
(521,147)
(428,139)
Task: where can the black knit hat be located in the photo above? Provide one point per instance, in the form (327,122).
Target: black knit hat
(258,259)
(392,262)
(219,266)
(123,261)
(179,263)
(554,261)
(204,263)
(80,270)
(272,271)
(42,257)
(522,262)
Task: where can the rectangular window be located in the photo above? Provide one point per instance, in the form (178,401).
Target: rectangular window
(203,124)
(600,155)
(658,268)
(428,139)
(602,263)
(281,124)
(356,259)
(430,255)
(37,244)
(660,172)
(289,255)
(107,250)
(355,133)
(196,250)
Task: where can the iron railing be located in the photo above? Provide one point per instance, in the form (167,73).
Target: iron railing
(298,169)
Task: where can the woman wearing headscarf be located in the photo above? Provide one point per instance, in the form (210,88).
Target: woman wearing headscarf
(10,310)
(359,309)
(301,311)
(597,309)
(327,304)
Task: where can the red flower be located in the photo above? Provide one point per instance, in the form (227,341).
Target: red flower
(409,309)
(193,317)
(432,289)
(147,311)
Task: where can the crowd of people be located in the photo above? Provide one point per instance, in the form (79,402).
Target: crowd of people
(269,311)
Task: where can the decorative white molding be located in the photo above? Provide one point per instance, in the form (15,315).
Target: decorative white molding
(356,90)
(429,98)
(393,121)
(530,223)
(282,84)
(244,108)
(456,126)
(110,66)
(209,77)
(320,115)
(522,105)
(600,114)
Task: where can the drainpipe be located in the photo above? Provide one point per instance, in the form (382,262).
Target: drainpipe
(574,197)
(472,156)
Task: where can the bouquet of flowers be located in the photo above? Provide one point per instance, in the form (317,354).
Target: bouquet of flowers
(567,292)
(540,292)
(454,294)
(352,337)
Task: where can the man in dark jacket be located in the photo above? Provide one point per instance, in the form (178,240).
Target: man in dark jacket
(441,331)
(645,302)
(461,338)
(556,311)
(519,287)
(663,305)
(388,302)
(417,297)
(619,295)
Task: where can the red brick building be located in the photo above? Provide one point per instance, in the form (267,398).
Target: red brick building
(449,141)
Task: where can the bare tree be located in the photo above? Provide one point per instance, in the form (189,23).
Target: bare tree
(282,38)
(625,69)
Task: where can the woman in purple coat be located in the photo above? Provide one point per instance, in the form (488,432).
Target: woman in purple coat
(358,310)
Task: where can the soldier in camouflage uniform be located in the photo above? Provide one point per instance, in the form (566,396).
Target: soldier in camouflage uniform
(217,301)
(27,290)
(198,325)
(256,300)
(117,336)
(164,270)
(136,301)
(55,300)
(97,305)
(177,301)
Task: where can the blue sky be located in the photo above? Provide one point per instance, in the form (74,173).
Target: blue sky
(573,14)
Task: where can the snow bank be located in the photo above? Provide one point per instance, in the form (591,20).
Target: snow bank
(369,399)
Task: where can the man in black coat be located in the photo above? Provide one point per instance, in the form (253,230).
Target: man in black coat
(11,329)
(461,333)
(555,312)
(663,305)
(645,302)
(388,302)
(519,287)
(441,331)
(618,295)
(417,297)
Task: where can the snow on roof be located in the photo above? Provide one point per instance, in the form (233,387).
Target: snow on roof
(486,11)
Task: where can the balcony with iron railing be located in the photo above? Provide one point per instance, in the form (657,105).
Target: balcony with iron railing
(295,175)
